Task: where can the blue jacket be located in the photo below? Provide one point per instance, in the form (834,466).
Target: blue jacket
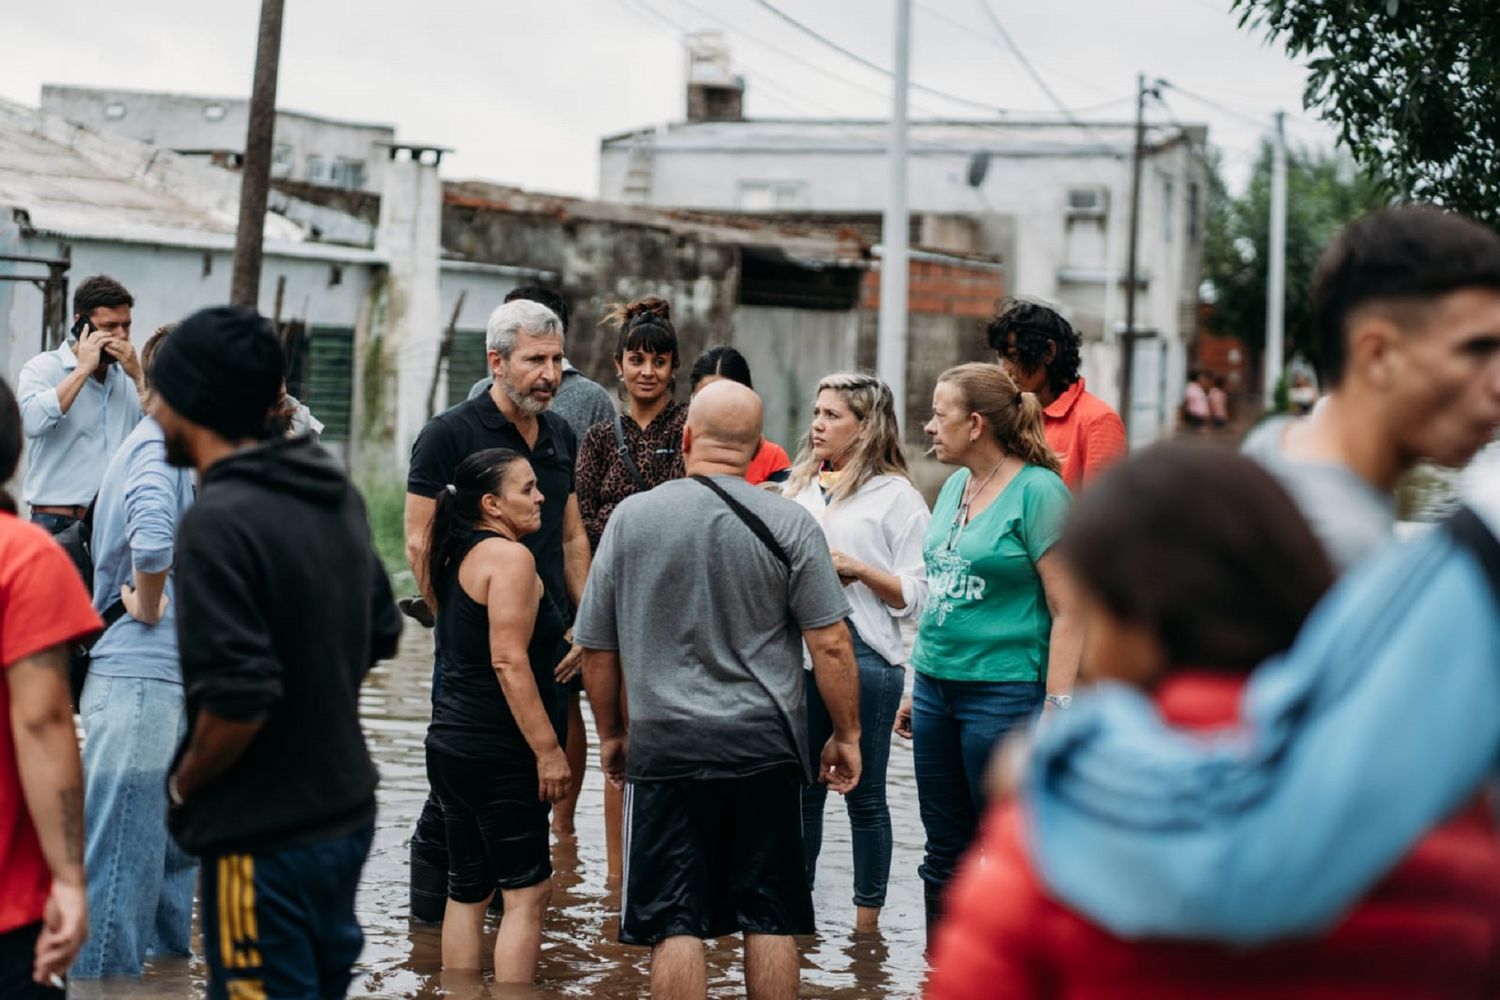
(1380,721)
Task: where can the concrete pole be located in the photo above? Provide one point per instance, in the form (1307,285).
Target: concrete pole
(1127,340)
(890,351)
(255,171)
(1276,266)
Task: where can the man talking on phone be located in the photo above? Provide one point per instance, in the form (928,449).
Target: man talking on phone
(78,403)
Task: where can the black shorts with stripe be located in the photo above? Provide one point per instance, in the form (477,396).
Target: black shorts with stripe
(715,856)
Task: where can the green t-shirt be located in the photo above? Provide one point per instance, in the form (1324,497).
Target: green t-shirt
(986,617)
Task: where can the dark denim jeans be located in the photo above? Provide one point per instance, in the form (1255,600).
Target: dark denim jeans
(956,726)
(880,687)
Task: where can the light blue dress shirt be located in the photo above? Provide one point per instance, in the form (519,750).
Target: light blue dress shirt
(67,452)
(1379,722)
(141,503)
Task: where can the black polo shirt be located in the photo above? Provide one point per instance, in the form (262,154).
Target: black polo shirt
(477,424)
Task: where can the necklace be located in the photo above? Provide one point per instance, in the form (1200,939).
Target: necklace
(961,516)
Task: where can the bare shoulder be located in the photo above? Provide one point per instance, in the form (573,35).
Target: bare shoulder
(501,555)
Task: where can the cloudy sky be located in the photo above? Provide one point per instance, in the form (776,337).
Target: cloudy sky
(523,91)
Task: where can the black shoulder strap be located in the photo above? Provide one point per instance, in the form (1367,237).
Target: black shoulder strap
(624,451)
(1473,534)
(752,522)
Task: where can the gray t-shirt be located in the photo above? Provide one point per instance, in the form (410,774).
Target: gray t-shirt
(708,624)
(580,400)
(1350,517)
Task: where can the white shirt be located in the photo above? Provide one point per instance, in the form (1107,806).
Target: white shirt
(67,453)
(884,525)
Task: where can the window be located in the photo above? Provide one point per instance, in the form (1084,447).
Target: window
(767,196)
(467,364)
(1088,201)
(213,112)
(114,111)
(1194,213)
(281,160)
(1168,210)
(315,168)
(347,174)
(328,387)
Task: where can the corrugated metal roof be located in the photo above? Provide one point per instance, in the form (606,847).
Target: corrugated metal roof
(71,181)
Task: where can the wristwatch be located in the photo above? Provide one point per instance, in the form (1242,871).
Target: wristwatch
(1060,700)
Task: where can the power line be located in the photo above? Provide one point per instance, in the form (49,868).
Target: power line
(1015,49)
(869,64)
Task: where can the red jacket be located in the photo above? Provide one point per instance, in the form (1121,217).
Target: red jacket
(1430,930)
(1086,434)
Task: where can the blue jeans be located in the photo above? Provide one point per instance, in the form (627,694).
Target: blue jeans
(140,883)
(956,726)
(281,923)
(880,686)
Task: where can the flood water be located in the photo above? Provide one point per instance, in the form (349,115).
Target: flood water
(580,956)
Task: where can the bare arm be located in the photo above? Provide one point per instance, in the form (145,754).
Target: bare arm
(418,526)
(512,592)
(1067,631)
(41,717)
(576,552)
(605,686)
(886,586)
(147,602)
(837,677)
(215,745)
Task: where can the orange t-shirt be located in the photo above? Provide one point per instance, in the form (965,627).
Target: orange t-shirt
(768,461)
(1086,434)
(42,604)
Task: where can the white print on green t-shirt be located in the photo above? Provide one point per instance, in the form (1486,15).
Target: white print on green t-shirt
(948,581)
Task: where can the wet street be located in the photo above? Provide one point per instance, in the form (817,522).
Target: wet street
(580,957)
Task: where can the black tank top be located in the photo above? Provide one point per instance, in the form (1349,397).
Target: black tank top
(470,716)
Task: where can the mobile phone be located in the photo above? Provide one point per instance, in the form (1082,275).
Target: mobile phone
(82,326)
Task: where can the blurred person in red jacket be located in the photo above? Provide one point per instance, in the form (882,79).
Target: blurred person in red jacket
(1235,572)
(1042,352)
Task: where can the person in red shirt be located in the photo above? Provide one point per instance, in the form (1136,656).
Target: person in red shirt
(1041,351)
(1233,572)
(771,463)
(43,610)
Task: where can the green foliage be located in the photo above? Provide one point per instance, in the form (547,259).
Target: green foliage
(1323,193)
(1411,85)
(385,503)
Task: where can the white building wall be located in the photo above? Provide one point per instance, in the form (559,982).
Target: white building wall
(1024,195)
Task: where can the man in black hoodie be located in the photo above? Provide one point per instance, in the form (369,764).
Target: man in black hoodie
(283,608)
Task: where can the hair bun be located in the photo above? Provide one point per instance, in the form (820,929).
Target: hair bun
(652,307)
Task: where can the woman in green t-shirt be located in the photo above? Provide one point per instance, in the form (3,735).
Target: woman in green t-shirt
(998,634)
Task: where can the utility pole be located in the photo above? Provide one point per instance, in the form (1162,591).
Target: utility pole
(255,171)
(890,352)
(1127,339)
(1276,267)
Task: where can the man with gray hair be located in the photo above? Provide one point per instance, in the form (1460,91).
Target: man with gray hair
(524,345)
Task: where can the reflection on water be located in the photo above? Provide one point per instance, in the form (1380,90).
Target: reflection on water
(580,957)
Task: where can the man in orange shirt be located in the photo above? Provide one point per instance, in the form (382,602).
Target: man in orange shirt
(1040,350)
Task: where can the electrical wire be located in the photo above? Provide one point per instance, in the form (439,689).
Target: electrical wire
(829,43)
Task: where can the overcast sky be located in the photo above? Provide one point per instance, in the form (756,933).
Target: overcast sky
(524,91)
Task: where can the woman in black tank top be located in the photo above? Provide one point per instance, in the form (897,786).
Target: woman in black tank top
(494,758)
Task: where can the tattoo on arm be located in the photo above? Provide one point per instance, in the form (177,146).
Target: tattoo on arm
(70,801)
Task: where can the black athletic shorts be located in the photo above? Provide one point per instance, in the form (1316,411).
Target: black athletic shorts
(497,830)
(716,856)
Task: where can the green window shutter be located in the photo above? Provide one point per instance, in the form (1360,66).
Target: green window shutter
(467,364)
(329,381)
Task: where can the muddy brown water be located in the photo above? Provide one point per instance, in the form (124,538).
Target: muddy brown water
(580,956)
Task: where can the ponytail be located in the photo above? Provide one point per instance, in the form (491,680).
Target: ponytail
(458,510)
(1030,438)
(1014,417)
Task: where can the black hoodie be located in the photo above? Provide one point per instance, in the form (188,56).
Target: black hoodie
(283,607)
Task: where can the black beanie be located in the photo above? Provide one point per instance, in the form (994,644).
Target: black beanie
(222,369)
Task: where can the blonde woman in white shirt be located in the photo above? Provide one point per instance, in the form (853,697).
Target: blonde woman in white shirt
(851,475)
